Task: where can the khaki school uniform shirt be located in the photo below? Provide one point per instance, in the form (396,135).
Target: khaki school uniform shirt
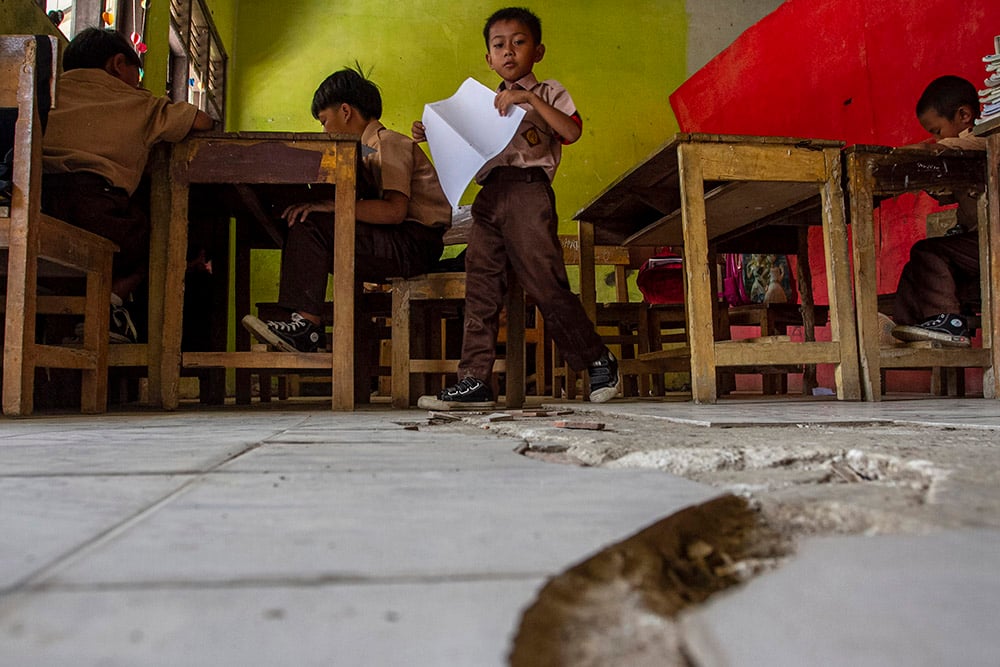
(102,125)
(397,162)
(535,144)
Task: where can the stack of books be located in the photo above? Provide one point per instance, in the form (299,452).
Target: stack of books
(990,95)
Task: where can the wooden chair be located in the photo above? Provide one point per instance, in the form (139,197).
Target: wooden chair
(624,326)
(30,236)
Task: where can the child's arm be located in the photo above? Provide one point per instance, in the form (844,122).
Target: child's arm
(202,121)
(561,124)
(390,210)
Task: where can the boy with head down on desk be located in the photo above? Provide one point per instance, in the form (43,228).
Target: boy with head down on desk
(943,272)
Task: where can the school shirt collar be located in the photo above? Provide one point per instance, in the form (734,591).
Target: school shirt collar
(528,81)
(370,131)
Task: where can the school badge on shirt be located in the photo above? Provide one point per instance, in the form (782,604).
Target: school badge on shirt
(531,136)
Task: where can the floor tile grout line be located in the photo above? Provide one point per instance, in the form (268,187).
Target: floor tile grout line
(80,550)
(283,582)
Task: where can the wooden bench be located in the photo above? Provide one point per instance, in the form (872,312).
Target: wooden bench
(30,236)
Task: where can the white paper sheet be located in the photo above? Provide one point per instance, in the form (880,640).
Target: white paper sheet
(464,132)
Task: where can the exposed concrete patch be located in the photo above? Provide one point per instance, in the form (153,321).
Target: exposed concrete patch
(615,608)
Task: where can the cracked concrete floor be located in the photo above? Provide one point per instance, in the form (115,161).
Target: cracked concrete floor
(881,476)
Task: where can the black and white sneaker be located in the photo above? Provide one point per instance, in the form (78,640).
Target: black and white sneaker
(296,335)
(947,329)
(469,394)
(605,381)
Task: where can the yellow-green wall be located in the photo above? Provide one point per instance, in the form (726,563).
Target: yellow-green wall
(24,17)
(619,62)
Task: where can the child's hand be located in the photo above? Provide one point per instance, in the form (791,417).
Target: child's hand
(505,98)
(298,212)
(418,131)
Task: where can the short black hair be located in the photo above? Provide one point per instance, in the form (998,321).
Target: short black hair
(525,16)
(93,47)
(946,94)
(350,86)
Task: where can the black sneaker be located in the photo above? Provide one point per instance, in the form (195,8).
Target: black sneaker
(122,330)
(605,380)
(470,393)
(296,335)
(947,328)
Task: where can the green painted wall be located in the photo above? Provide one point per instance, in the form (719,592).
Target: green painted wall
(24,17)
(620,61)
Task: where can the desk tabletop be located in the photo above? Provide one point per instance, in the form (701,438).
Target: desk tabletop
(272,136)
(640,207)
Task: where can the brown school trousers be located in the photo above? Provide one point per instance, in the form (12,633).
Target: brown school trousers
(380,252)
(941,276)
(514,229)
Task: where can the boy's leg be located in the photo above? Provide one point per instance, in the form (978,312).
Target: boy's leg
(87,201)
(928,285)
(305,263)
(536,256)
(485,285)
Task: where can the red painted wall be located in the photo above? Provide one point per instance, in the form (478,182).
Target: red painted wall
(849,70)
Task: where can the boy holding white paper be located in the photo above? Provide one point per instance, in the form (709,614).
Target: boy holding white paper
(515,225)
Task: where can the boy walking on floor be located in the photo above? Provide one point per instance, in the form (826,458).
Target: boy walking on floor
(95,149)
(515,224)
(399,231)
(943,270)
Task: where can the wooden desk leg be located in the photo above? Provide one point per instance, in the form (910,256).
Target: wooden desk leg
(989,232)
(173,282)
(808,308)
(588,292)
(515,346)
(701,336)
(343,279)
(860,185)
(838,272)
(243,307)
(161,199)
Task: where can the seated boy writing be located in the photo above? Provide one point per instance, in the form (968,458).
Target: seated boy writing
(399,232)
(95,150)
(943,271)
(515,224)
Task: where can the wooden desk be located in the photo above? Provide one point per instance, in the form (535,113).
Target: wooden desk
(880,171)
(245,160)
(699,189)
(991,130)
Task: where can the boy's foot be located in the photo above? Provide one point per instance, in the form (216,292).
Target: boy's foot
(121,328)
(947,328)
(605,381)
(469,394)
(296,335)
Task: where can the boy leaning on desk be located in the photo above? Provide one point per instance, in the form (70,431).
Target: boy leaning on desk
(943,272)
(399,226)
(515,224)
(94,152)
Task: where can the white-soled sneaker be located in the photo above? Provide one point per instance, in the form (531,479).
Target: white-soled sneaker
(605,380)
